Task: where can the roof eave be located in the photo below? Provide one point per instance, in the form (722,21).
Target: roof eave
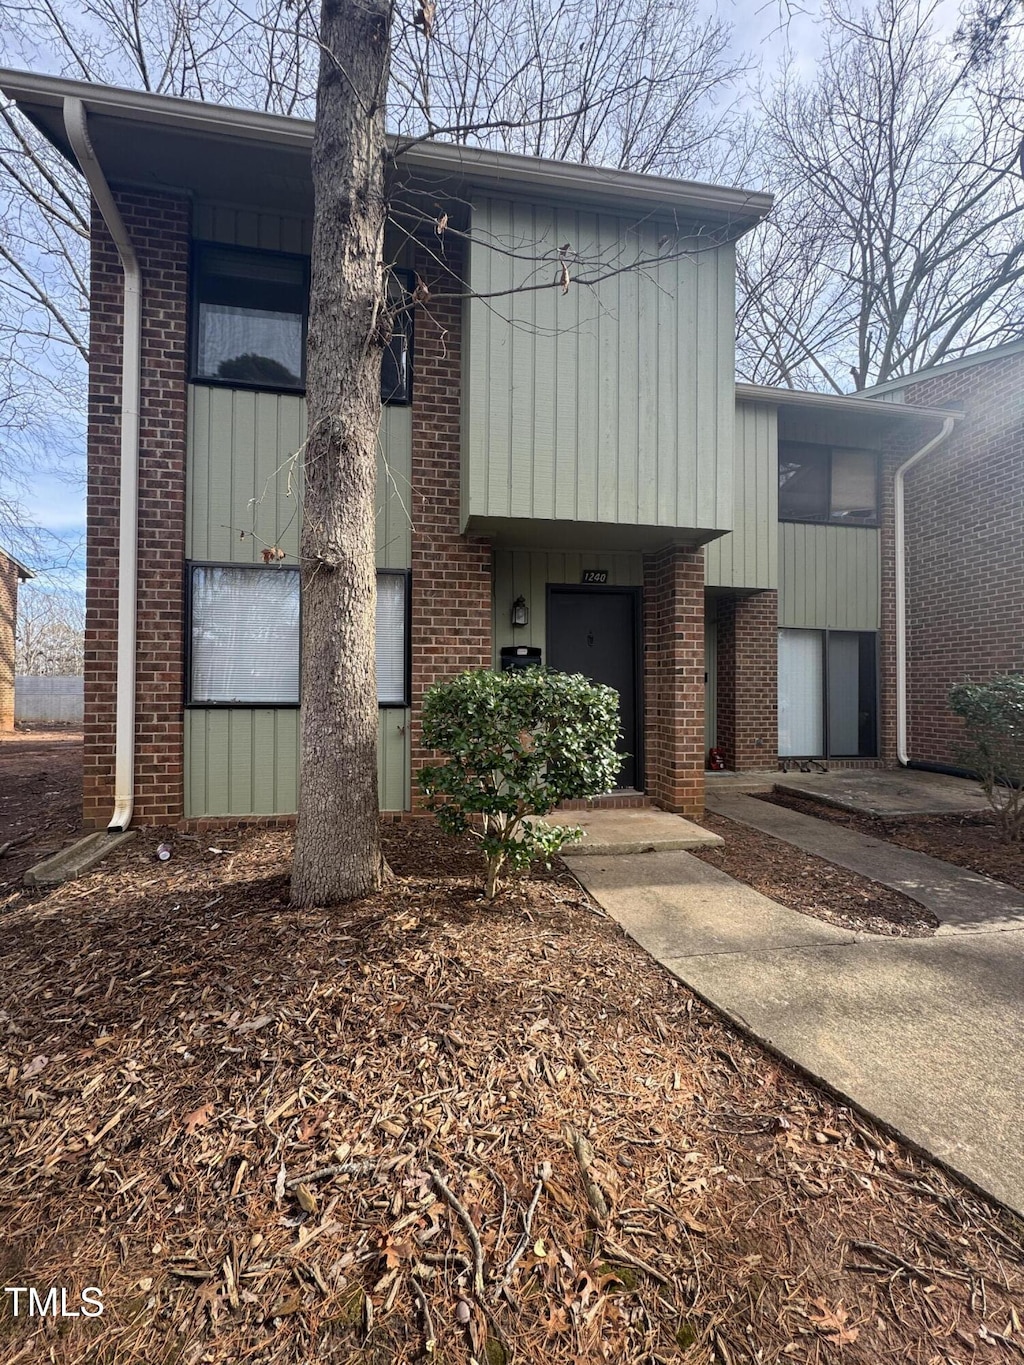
(838,402)
(739,209)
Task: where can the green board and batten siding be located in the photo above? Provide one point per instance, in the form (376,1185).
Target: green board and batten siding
(240,444)
(829,577)
(603,405)
(527,573)
(748,557)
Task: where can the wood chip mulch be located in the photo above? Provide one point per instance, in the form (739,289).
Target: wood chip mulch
(812,885)
(969,839)
(425,1128)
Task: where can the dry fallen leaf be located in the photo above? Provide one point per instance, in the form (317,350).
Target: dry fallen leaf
(831,1322)
(198,1118)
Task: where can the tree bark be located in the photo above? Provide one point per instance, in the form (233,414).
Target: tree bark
(337,848)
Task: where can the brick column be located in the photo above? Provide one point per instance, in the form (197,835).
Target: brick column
(748,727)
(674,679)
(8,617)
(159,228)
(451,573)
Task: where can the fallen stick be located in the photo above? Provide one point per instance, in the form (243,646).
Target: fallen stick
(619,1253)
(450,1198)
(524,1240)
(325,1172)
(430,1343)
(584,1154)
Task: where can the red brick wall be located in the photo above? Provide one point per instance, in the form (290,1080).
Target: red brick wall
(747,680)
(451,573)
(965,549)
(159,228)
(674,679)
(8,616)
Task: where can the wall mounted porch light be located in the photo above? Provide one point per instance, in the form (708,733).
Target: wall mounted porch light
(520,612)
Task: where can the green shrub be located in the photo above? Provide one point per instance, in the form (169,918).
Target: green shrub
(516,745)
(993,716)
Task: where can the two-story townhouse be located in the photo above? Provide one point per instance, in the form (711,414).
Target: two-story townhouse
(569,477)
(551,464)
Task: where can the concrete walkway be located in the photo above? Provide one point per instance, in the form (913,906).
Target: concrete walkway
(926,1034)
(962,901)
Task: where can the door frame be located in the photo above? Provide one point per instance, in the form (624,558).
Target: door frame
(636,593)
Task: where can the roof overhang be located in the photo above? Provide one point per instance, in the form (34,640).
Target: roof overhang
(23,571)
(870,409)
(242,156)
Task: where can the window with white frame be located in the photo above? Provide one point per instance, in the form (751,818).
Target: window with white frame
(244,636)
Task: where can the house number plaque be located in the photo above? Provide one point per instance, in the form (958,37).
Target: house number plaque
(594,576)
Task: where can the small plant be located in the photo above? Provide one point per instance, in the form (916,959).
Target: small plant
(517,744)
(993,716)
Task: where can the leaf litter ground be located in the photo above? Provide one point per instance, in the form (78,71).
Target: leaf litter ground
(425,1128)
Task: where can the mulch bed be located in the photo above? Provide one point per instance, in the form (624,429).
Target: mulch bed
(969,840)
(40,797)
(422,1127)
(812,885)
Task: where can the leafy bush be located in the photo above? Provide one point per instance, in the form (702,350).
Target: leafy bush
(993,716)
(517,744)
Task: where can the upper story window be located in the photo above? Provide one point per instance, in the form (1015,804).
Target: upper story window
(250,318)
(826,483)
(249,331)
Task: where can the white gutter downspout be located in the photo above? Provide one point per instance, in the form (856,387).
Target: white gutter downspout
(900,569)
(76,125)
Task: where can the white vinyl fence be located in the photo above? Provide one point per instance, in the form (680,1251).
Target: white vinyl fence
(48,701)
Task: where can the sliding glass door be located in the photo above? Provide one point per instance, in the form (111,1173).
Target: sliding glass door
(828,694)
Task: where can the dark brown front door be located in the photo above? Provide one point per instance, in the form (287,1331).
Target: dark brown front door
(594,631)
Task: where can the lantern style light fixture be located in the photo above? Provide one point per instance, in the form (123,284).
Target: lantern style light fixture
(520,612)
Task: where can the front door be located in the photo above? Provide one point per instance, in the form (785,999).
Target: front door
(593,631)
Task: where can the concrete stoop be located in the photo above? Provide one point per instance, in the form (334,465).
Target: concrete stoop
(647,830)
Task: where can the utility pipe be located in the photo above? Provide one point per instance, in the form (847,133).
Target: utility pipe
(900,569)
(77,128)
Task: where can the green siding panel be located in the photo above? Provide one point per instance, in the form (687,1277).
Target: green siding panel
(748,557)
(829,577)
(606,404)
(244,495)
(528,573)
(242,762)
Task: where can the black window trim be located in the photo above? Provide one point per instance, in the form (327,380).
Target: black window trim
(830,451)
(191,705)
(199,244)
(407,670)
(827,756)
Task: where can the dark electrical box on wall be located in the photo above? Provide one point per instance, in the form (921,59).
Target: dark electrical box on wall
(520,656)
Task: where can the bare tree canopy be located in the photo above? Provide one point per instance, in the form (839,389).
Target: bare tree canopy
(897,239)
(50,639)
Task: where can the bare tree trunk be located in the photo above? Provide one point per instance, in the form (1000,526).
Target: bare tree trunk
(337,850)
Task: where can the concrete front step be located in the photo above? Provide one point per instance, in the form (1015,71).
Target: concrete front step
(634,831)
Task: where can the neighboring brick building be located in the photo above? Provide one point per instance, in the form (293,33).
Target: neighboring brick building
(964,542)
(11,574)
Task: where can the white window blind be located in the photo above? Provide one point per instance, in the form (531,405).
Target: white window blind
(801,697)
(391,618)
(245,636)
